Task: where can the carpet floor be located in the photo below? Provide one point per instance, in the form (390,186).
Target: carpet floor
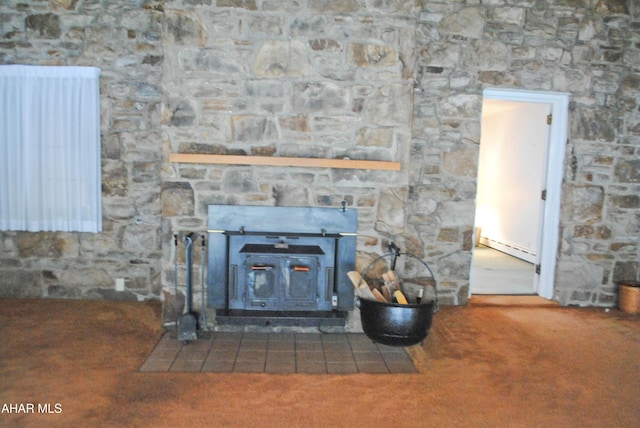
(70,363)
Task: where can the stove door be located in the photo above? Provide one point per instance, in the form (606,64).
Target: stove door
(281,273)
(263,276)
(301,283)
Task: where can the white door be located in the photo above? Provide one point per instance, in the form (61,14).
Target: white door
(521,156)
(511,176)
(511,179)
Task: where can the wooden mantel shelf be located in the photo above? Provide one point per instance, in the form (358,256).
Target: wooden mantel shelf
(283,161)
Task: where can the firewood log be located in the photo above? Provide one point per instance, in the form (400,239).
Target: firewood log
(379,297)
(400,297)
(356,279)
(365,293)
(394,279)
(386,292)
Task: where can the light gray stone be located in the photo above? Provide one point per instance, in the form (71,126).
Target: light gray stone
(287,195)
(363,55)
(47,245)
(379,137)
(627,170)
(252,129)
(320,97)
(575,276)
(468,22)
(389,106)
(282,59)
(183,29)
(115,178)
(208,60)
(20,284)
(177,199)
(461,162)
(391,212)
(588,203)
(85,278)
(239,181)
(141,239)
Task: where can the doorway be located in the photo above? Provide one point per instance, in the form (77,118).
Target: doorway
(518,201)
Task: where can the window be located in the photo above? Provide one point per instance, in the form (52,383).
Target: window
(50,178)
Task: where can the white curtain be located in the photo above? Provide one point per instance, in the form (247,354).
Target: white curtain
(50,176)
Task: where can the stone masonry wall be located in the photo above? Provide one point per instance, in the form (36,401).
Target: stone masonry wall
(123,39)
(362,79)
(328,79)
(590,49)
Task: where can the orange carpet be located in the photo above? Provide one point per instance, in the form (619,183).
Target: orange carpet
(76,363)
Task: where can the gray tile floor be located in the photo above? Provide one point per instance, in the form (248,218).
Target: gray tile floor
(246,352)
(494,272)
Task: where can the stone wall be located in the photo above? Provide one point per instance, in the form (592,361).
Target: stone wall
(383,80)
(328,79)
(124,39)
(589,49)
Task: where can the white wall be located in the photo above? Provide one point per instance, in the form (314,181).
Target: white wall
(511,173)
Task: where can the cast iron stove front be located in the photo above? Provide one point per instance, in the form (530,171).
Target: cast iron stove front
(292,277)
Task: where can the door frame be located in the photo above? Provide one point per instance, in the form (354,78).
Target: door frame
(558,133)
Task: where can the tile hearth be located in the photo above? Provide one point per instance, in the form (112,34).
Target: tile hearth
(251,352)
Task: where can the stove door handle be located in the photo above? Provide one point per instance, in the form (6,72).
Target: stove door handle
(301,268)
(261,267)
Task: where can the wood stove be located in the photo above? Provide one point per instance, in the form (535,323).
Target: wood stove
(284,265)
